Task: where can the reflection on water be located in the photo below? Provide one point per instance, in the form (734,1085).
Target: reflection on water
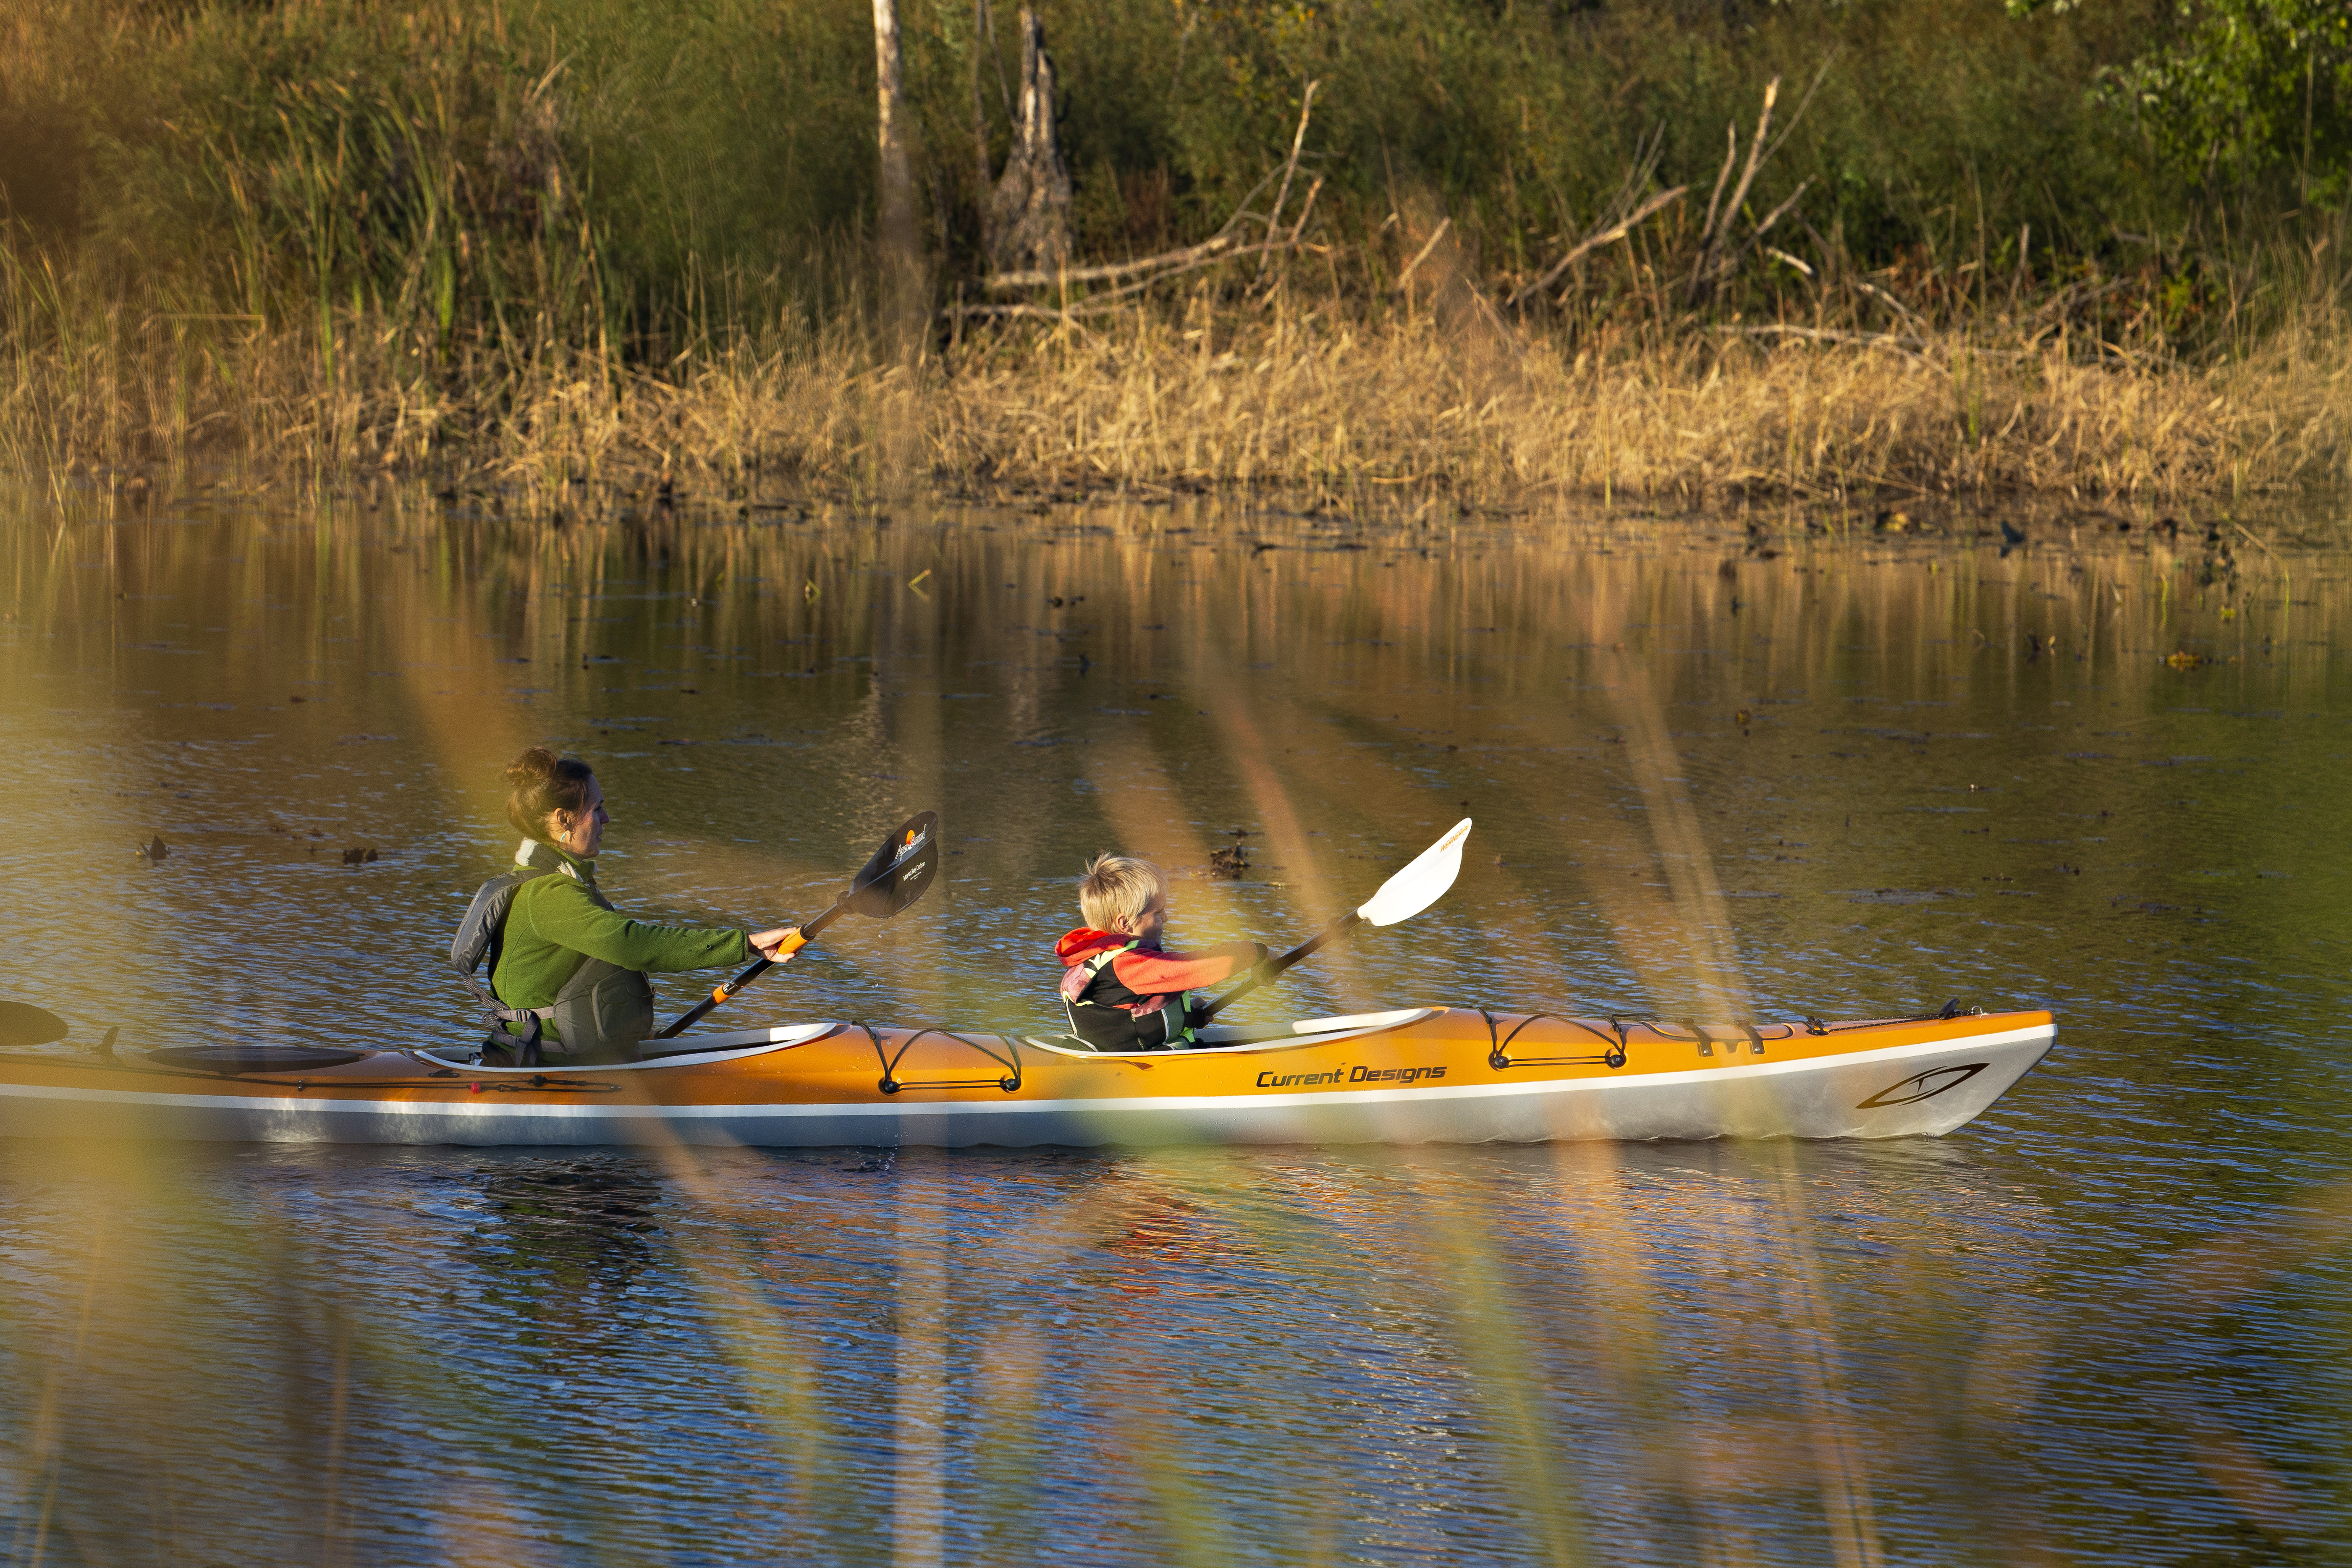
(1769,770)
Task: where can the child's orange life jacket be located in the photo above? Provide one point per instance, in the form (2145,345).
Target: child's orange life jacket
(1124,996)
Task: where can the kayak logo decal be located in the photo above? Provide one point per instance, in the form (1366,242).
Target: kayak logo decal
(1395,1075)
(1923,1085)
(1270,1079)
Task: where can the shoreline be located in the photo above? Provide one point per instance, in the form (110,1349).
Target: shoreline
(1259,517)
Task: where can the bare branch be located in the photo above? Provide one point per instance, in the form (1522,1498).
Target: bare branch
(1789,127)
(1774,216)
(1435,235)
(1290,169)
(1306,211)
(1722,178)
(1592,242)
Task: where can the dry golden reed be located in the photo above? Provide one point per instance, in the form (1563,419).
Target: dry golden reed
(1499,413)
(1331,399)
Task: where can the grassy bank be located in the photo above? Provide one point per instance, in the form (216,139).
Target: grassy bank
(1314,394)
(563,251)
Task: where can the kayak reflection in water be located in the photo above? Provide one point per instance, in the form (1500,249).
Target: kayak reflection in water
(567,971)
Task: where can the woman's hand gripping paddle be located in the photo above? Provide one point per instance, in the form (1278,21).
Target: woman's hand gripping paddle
(896,875)
(1401,897)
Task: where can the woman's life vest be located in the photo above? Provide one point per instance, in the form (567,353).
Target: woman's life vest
(601,1012)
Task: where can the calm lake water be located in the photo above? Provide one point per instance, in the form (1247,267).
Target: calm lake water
(1840,772)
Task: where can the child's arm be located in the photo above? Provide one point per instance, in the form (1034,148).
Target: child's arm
(1164,973)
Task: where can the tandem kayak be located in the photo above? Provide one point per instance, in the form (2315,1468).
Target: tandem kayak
(1433,1075)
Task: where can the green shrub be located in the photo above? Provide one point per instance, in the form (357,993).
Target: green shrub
(663,175)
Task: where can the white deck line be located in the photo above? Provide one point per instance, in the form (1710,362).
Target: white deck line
(783,1037)
(897,1109)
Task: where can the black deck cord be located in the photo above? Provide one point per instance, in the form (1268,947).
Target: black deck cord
(1731,1043)
(1498,1055)
(1943,1014)
(890,1060)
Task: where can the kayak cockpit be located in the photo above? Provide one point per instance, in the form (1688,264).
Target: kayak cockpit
(696,1050)
(1242,1037)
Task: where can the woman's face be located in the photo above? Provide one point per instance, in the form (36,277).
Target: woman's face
(581,832)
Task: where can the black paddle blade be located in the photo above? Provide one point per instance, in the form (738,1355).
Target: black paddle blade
(22,1023)
(901,870)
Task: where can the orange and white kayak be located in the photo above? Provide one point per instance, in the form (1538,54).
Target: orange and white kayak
(1435,1075)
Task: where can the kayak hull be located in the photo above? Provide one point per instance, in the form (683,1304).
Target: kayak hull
(1438,1076)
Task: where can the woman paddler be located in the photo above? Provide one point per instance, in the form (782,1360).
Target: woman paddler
(567,971)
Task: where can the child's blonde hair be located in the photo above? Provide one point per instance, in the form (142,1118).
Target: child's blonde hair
(1118,886)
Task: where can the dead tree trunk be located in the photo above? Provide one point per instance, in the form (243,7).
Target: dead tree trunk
(895,228)
(980,119)
(984,37)
(1028,220)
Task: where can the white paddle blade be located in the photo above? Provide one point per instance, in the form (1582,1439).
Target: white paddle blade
(1420,884)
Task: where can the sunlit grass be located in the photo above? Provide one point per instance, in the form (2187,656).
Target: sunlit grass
(1349,408)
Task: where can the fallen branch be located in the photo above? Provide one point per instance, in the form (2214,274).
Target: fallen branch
(1166,264)
(1039,279)
(1141,284)
(1204,255)
(1592,242)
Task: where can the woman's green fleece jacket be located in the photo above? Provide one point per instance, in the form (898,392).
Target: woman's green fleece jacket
(556,922)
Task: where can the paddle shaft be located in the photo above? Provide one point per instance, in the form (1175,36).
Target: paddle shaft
(1273,967)
(695,1014)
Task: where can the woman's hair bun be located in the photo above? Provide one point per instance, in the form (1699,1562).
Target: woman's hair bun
(542,784)
(535,766)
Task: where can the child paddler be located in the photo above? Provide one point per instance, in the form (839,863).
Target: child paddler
(1122,990)
(567,971)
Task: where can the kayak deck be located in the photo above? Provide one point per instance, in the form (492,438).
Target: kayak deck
(1421,1075)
